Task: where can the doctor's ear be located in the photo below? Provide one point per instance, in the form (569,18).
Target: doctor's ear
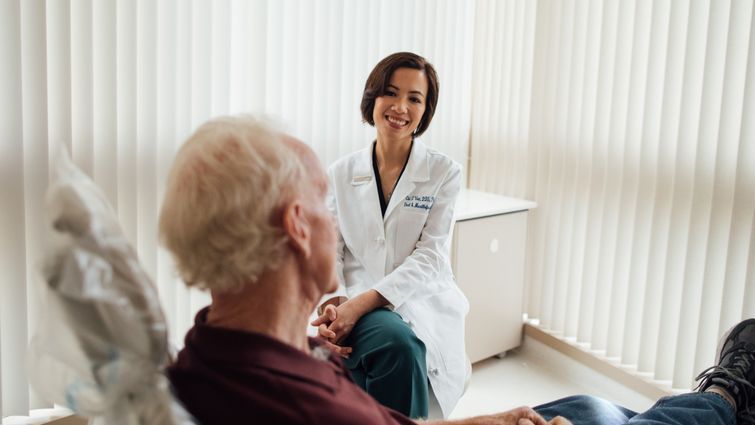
(296,227)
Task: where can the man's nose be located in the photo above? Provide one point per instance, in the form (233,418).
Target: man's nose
(334,222)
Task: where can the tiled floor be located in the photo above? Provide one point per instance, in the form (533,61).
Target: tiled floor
(535,374)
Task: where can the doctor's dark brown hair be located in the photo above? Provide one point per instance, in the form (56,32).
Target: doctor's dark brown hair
(380,77)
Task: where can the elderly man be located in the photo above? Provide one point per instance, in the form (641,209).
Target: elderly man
(245,218)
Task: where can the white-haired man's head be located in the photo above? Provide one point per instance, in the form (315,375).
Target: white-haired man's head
(222,215)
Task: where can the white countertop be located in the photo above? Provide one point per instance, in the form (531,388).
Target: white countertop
(475,204)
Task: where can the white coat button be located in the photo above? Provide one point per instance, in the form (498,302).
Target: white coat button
(409,322)
(434,371)
(380,240)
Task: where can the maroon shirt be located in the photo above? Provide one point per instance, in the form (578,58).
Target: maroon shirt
(226,376)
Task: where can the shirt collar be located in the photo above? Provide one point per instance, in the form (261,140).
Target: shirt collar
(241,349)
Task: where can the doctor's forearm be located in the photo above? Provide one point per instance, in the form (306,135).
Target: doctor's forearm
(368,301)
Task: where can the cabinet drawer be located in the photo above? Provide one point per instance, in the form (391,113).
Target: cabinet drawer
(488,261)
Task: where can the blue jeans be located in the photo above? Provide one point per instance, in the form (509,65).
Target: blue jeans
(685,409)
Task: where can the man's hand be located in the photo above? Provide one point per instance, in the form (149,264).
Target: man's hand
(518,416)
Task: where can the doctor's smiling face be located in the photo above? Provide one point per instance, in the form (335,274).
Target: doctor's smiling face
(399,110)
(400,96)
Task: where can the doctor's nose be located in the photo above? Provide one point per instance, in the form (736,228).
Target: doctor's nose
(399,106)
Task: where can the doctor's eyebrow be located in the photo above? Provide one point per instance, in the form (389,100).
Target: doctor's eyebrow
(391,86)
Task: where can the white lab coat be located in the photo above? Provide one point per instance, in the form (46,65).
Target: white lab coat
(405,255)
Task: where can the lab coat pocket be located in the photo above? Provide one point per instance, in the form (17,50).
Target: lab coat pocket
(408,231)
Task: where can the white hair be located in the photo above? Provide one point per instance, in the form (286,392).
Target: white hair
(218,216)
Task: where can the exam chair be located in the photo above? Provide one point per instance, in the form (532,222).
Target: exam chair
(101,345)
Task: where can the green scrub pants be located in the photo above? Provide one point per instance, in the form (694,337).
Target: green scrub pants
(388,362)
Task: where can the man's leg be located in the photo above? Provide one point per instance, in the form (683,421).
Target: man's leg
(586,410)
(688,409)
(726,393)
(389,363)
(733,376)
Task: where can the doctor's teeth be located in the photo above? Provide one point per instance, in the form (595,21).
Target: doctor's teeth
(397,121)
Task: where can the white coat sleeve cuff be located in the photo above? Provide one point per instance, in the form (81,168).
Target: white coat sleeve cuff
(394,295)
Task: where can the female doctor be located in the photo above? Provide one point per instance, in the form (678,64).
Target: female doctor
(398,312)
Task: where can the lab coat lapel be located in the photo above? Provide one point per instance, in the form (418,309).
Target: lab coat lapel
(365,192)
(365,200)
(417,170)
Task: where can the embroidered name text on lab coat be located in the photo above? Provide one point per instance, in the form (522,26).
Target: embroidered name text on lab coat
(422,202)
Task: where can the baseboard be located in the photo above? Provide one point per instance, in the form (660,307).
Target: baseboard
(632,380)
(69,420)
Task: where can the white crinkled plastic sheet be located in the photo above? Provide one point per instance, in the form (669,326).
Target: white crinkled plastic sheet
(102,343)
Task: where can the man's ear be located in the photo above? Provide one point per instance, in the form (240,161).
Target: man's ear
(297,228)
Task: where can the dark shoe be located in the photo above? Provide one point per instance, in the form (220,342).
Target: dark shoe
(735,369)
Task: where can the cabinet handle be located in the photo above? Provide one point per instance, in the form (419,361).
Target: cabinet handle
(493,245)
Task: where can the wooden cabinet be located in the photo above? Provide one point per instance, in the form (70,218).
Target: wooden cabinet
(488,258)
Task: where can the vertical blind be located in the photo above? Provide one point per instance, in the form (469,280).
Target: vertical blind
(123,83)
(632,124)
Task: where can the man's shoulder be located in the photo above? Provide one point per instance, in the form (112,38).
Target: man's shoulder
(265,395)
(267,382)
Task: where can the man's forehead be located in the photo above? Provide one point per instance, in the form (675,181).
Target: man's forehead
(306,154)
(299,147)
